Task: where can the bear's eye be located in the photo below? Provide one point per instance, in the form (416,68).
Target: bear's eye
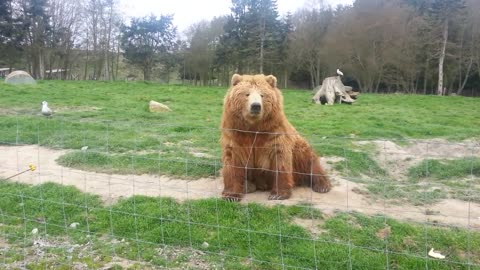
(261,95)
(247,95)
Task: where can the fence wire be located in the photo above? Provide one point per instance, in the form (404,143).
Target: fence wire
(152,195)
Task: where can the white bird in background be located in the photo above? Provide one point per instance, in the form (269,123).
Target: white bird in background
(45,109)
(339,72)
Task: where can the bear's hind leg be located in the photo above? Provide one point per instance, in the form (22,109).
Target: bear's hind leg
(308,170)
(318,179)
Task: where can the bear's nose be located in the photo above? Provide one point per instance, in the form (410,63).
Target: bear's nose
(256,107)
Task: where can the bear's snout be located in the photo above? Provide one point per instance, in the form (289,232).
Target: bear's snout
(255,108)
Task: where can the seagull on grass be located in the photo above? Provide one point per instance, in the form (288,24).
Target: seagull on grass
(339,72)
(45,109)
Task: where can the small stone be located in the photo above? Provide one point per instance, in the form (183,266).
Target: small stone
(158,107)
(84,148)
(205,245)
(74,225)
(35,231)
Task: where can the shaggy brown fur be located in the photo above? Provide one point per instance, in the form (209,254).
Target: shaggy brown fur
(260,146)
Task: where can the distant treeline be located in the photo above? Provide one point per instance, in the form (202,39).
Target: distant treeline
(412,46)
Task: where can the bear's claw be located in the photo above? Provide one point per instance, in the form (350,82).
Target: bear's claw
(278,197)
(322,188)
(232,197)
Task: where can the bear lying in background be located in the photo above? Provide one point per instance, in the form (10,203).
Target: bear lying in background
(260,147)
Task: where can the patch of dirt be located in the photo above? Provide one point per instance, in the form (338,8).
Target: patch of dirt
(111,187)
(122,262)
(200,154)
(397,159)
(360,191)
(35,111)
(409,242)
(311,225)
(75,109)
(11,111)
(384,233)
(3,245)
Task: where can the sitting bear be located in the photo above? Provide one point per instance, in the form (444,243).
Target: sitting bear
(260,147)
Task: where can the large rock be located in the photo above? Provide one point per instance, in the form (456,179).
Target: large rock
(19,77)
(158,107)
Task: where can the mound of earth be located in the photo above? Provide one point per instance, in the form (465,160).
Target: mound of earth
(19,77)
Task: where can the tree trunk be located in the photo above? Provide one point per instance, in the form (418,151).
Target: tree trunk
(312,77)
(380,77)
(146,74)
(41,64)
(86,60)
(440,90)
(467,74)
(262,43)
(425,79)
(118,60)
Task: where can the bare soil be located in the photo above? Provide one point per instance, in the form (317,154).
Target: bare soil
(342,197)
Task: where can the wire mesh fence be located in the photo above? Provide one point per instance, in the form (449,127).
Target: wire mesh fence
(110,194)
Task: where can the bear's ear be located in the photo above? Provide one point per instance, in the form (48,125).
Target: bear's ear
(236,78)
(271,80)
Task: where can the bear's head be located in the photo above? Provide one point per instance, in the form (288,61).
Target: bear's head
(253,98)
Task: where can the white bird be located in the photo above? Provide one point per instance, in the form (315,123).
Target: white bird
(339,72)
(45,109)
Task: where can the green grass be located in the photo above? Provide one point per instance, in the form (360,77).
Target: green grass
(123,137)
(233,231)
(445,169)
(112,118)
(409,193)
(459,176)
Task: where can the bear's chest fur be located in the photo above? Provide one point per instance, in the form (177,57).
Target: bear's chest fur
(261,149)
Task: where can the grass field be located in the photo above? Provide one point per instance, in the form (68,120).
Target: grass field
(113,118)
(122,136)
(135,228)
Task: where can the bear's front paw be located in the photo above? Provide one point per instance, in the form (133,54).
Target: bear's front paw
(232,196)
(322,188)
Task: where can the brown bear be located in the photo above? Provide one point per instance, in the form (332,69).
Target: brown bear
(260,147)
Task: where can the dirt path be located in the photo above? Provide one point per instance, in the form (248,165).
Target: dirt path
(111,187)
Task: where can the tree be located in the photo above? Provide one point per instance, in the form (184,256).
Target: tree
(311,25)
(252,36)
(5,21)
(11,35)
(442,12)
(202,41)
(284,46)
(35,19)
(146,40)
(65,24)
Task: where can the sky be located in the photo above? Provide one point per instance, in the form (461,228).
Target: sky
(187,12)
